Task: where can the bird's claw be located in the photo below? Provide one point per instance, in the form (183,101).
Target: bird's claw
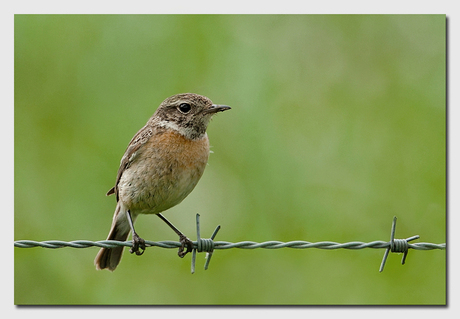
(185,242)
(137,243)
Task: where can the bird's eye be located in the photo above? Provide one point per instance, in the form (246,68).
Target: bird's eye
(184,108)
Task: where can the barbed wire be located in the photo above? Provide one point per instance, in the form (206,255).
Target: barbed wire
(272,244)
(209,245)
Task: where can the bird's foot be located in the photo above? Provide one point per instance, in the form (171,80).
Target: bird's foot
(137,243)
(185,242)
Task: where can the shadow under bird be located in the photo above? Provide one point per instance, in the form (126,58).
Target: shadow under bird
(162,164)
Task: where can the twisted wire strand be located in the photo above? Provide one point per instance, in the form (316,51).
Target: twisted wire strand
(53,244)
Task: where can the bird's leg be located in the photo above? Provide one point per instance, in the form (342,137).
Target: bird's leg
(137,241)
(185,242)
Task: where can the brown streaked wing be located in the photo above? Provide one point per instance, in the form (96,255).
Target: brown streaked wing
(138,140)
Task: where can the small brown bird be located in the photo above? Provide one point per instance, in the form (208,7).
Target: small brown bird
(162,164)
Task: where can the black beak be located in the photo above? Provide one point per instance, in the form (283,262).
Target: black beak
(217,108)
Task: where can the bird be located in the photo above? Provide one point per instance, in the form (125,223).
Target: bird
(161,165)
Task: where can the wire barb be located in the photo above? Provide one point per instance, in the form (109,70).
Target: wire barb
(397,246)
(203,244)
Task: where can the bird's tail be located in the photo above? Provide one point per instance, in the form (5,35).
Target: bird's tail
(109,258)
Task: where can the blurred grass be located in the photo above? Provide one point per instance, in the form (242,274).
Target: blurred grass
(337,124)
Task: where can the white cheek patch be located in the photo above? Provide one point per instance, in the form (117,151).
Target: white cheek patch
(188,132)
(171,125)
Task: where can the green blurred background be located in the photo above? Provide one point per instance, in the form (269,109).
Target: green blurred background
(338,123)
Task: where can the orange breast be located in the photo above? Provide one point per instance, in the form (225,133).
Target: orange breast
(181,149)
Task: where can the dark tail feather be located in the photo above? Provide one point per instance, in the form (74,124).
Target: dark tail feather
(109,258)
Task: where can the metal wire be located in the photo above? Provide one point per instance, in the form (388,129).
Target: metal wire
(209,245)
(298,244)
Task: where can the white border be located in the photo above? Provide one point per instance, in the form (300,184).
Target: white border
(9,8)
